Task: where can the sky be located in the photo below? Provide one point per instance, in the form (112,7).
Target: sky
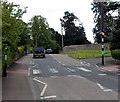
(53,10)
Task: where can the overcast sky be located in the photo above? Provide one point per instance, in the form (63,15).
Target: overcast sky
(53,10)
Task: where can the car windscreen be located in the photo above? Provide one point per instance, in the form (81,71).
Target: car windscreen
(39,49)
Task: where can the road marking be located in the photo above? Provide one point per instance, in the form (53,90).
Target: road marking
(46,97)
(59,61)
(45,87)
(28,71)
(77,76)
(102,74)
(35,65)
(100,86)
(30,62)
(53,76)
(107,90)
(83,69)
(36,71)
(70,70)
(63,64)
(53,70)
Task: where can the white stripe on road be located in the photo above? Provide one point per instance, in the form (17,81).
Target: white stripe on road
(106,90)
(83,69)
(77,76)
(100,86)
(102,74)
(28,71)
(53,70)
(45,87)
(70,70)
(46,97)
(36,71)
(35,65)
(30,62)
(53,76)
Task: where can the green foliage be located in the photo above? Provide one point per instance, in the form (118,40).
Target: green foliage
(115,40)
(74,35)
(109,21)
(56,36)
(41,34)
(14,30)
(116,54)
(21,49)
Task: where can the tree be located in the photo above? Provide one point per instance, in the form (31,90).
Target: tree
(74,35)
(12,26)
(56,36)
(109,20)
(41,33)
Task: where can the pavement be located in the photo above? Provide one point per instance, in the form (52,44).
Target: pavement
(16,85)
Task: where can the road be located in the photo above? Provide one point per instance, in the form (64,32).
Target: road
(59,77)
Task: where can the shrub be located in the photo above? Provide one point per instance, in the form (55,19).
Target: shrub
(21,49)
(116,54)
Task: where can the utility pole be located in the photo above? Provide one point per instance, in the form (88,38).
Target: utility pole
(62,33)
(102,33)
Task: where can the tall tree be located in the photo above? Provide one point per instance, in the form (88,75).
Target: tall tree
(109,20)
(74,35)
(12,25)
(56,36)
(41,33)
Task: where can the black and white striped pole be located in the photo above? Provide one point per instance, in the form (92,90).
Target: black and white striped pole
(102,33)
(103,47)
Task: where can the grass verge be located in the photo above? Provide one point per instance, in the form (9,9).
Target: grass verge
(80,54)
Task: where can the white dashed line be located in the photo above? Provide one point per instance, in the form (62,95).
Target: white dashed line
(102,74)
(53,76)
(83,69)
(77,76)
(28,71)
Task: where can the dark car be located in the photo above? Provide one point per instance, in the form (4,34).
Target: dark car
(38,52)
(48,51)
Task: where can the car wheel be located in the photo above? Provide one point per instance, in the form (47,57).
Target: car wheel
(43,56)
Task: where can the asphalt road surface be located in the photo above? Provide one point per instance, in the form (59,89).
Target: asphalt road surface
(59,77)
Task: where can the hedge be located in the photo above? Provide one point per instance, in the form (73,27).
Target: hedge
(115,54)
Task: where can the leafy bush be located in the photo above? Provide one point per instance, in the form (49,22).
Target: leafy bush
(115,40)
(21,49)
(116,54)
